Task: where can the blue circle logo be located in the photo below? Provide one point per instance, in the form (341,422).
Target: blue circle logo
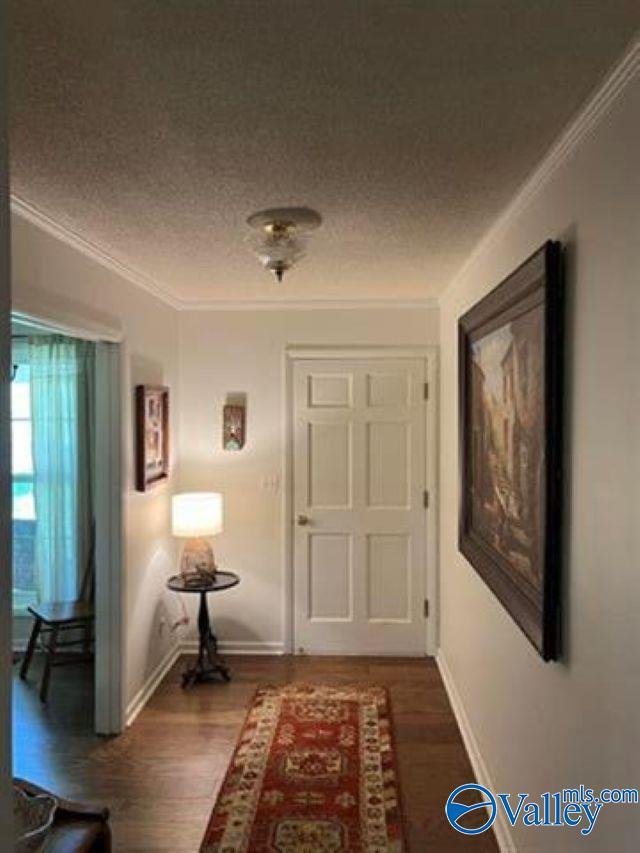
(456,810)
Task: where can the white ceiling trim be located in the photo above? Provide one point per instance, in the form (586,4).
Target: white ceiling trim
(26,210)
(58,323)
(586,120)
(32,214)
(307,304)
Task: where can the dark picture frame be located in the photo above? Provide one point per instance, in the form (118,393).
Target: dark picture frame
(510,350)
(233,426)
(152,436)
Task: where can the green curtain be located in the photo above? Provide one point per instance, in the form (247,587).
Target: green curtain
(62,392)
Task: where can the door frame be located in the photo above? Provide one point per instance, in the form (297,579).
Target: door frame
(6,670)
(429,354)
(109,670)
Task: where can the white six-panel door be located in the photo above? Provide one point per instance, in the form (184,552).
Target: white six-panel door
(359,516)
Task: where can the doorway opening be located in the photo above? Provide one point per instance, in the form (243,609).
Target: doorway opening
(66,529)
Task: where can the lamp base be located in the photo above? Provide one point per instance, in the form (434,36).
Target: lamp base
(197,564)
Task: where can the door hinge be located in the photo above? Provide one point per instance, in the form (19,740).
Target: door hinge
(426,390)
(426,608)
(425,498)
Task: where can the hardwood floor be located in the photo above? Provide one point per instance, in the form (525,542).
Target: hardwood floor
(161,777)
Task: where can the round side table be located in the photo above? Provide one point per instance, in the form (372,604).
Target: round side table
(209,662)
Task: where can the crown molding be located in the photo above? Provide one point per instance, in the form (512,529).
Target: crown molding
(575,133)
(29,212)
(590,115)
(307,304)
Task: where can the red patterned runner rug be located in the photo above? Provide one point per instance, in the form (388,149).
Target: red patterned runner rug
(314,772)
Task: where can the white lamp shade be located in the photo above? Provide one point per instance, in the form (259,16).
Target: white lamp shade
(196,514)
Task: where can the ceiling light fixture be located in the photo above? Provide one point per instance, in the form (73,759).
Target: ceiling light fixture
(281,236)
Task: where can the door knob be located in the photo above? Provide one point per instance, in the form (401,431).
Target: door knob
(303,520)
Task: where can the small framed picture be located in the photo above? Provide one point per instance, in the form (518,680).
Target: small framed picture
(152,436)
(233,432)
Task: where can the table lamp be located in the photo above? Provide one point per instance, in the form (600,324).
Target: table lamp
(194,516)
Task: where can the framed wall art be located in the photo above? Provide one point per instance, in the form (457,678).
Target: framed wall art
(510,395)
(233,426)
(152,436)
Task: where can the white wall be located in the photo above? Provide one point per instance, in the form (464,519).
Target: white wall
(540,727)
(204,356)
(54,279)
(242,351)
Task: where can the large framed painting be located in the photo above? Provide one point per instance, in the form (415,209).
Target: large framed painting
(152,436)
(510,391)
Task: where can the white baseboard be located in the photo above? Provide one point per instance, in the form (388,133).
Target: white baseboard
(151,684)
(227,647)
(19,646)
(501,827)
(376,652)
(237,647)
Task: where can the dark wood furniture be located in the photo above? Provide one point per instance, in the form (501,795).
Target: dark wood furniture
(77,827)
(209,663)
(53,622)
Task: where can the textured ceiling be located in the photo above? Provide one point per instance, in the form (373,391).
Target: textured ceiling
(153,128)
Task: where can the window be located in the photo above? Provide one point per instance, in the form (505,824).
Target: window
(24,510)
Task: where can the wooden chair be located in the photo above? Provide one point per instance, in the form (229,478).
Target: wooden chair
(77,827)
(54,620)
(51,620)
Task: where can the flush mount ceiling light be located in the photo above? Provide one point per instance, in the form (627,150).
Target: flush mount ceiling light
(281,236)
